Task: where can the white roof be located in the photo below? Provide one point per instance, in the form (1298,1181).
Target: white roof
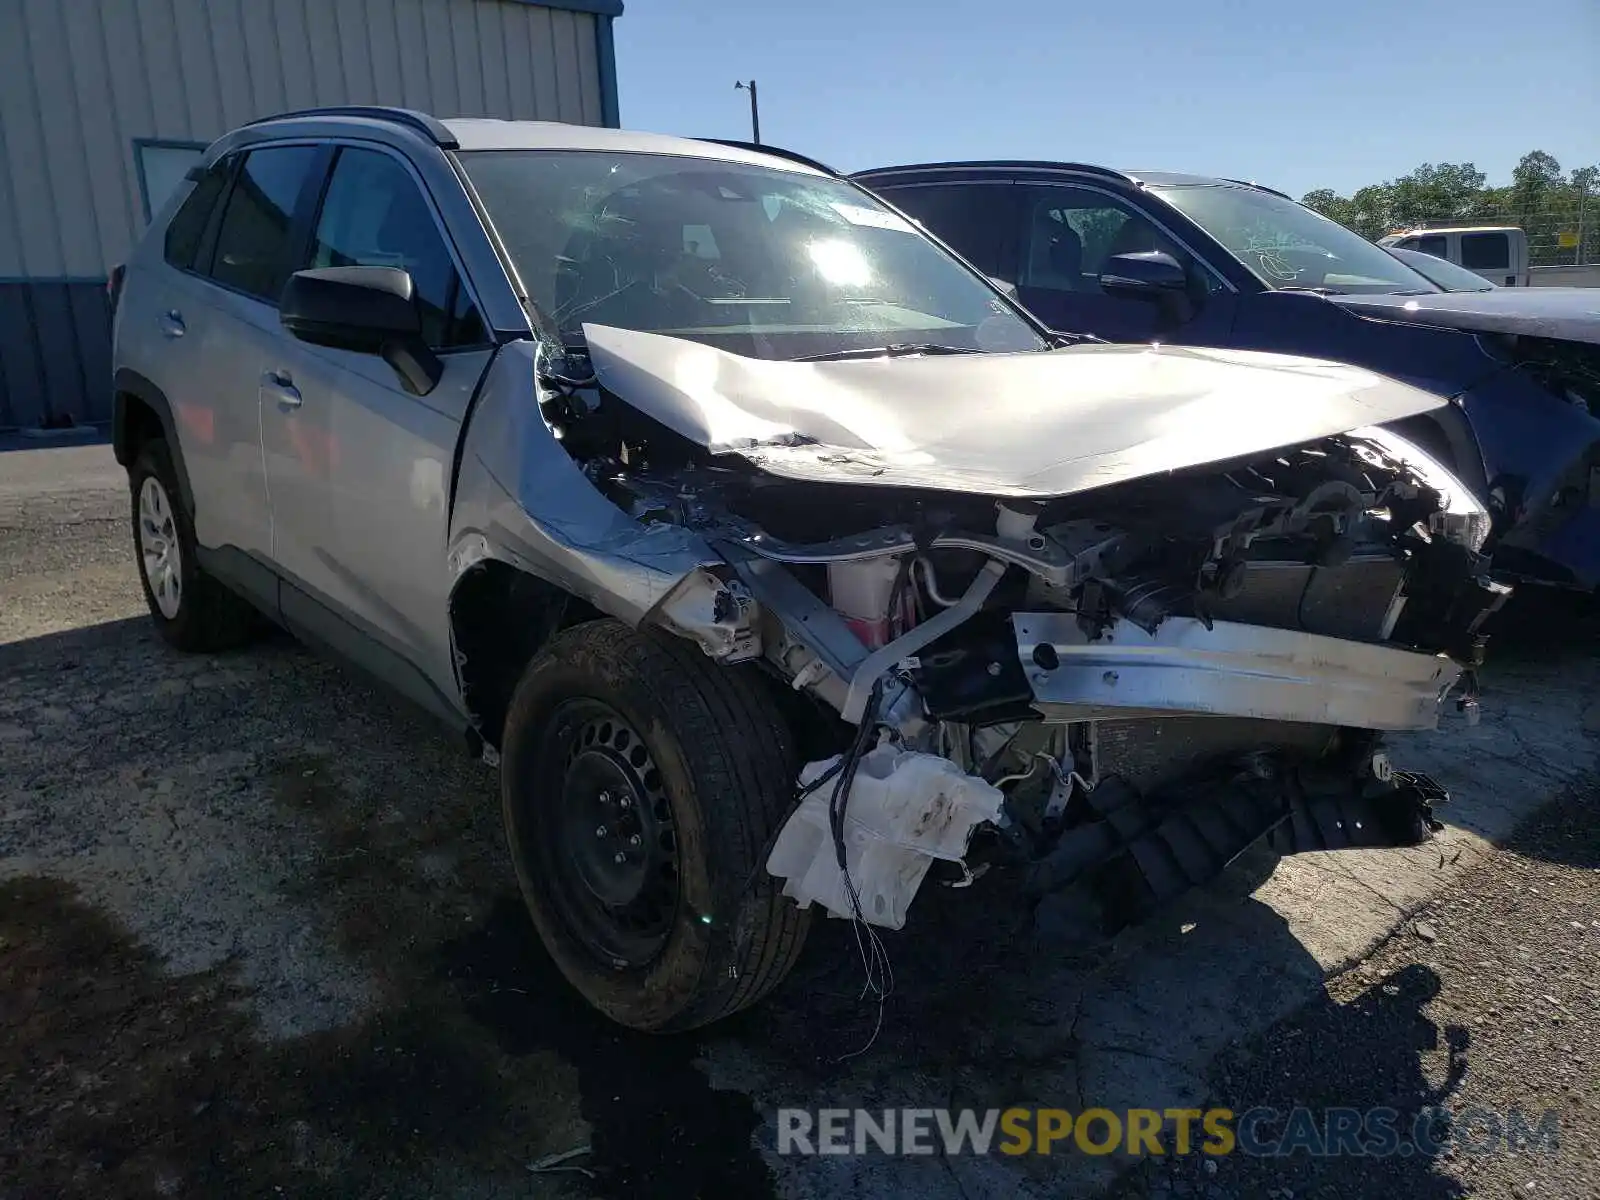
(1422,229)
(475,133)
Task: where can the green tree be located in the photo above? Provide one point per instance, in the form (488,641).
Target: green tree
(1536,177)
(1536,168)
(1325,201)
(1371,211)
(1540,199)
(1446,192)
(1584,181)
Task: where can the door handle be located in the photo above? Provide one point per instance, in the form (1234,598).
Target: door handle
(280,388)
(172,325)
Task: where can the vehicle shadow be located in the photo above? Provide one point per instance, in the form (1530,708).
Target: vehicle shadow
(985,1013)
(1564,832)
(1376,1055)
(62,647)
(1382,1040)
(991,1009)
(1542,624)
(81,435)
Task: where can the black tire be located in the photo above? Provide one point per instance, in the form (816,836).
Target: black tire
(718,775)
(208,616)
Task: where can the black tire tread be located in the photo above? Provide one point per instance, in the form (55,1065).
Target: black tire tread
(741,753)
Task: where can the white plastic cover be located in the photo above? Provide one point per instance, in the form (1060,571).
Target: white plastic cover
(905,810)
(1037,425)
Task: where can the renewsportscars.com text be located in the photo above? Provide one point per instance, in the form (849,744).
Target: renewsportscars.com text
(1258,1132)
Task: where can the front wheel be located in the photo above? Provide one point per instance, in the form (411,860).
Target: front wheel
(640,784)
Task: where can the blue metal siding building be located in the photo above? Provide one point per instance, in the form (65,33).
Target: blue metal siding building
(103,103)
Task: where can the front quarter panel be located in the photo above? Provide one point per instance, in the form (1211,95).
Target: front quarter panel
(1533,453)
(1444,362)
(1542,455)
(521,499)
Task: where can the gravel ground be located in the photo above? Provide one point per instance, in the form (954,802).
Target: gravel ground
(1488,1001)
(64,540)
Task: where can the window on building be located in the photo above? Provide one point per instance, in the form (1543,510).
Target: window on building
(252,245)
(162,166)
(374,215)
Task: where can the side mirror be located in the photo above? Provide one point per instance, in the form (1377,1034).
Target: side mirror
(1150,275)
(369,310)
(1146,274)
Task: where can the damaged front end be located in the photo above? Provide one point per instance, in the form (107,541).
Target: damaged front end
(1164,617)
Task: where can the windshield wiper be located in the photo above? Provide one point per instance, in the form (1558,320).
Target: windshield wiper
(1060,340)
(893,350)
(1319,291)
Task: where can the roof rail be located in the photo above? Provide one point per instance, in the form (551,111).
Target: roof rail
(1008,164)
(1260,187)
(774,151)
(430,127)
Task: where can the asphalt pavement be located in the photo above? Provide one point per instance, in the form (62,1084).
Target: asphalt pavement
(258,936)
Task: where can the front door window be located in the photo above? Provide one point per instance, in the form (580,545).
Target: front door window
(1068,235)
(374,215)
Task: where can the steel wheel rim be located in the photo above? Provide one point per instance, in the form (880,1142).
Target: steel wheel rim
(610,851)
(159,555)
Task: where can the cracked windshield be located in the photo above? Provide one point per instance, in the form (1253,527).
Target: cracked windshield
(767,263)
(1289,247)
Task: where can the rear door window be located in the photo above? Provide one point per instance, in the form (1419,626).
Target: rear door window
(252,252)
(188,226)
(1485,252)
(976,219)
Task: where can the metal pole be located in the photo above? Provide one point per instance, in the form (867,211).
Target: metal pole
(755,109)
(1577,252)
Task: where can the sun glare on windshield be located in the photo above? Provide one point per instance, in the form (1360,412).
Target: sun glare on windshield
(840,262)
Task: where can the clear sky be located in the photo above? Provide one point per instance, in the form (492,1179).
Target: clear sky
(1297,94)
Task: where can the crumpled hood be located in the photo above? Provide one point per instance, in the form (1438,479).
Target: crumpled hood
(1024,425)
(1572,314)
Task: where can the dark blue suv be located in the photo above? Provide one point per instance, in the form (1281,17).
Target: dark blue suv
(1141,256)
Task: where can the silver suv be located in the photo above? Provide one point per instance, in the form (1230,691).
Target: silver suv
(658,467)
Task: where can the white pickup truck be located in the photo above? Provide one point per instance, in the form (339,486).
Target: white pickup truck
(1497,252)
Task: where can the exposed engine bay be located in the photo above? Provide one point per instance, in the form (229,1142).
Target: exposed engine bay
(1124,687)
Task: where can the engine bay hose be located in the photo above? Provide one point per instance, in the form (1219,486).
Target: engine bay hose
(879,661)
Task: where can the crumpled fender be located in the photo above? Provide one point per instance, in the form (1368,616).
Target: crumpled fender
(521,499)
(1537,448)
